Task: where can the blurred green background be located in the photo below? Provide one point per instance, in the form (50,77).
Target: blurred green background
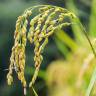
(9,11)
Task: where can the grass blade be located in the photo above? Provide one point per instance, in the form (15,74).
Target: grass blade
(62,47)
(76,28)
(63,37)
(92,26)
(91,84)
(35,93)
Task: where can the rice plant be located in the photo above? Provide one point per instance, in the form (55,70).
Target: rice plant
(37,30)
(42,26)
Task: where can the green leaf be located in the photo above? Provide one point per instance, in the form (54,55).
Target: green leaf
(66,39)
(91,84)
(62,47)
(31,71)
(35,93)
(92,24)
(75,27)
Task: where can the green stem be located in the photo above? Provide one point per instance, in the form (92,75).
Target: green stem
(86,35)
(62,47)
(92,30)
(31,71)
(34,92)
(62,36)
(76,29)
(91,84)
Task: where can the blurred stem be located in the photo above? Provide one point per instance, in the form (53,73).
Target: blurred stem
(31,71)
(63,37)
(34,92)
(76,29)
(86,35)
(62,47)
(72,6)
(92,30)
(91,84)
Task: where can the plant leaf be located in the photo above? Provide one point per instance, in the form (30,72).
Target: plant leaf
(91,84)
(35,93)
